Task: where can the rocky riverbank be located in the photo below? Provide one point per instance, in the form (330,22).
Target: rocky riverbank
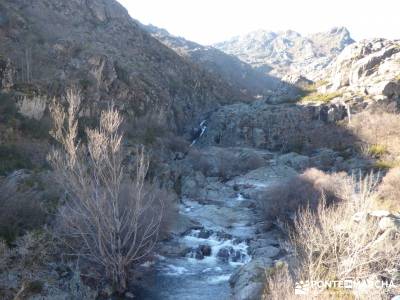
(223,241)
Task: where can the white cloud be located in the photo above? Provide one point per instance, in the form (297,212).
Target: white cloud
(210,21)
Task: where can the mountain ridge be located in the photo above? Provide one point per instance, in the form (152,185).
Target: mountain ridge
(229,67)
(97,46)
(283,52)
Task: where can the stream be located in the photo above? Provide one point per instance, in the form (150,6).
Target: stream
(198,263)
(212,253)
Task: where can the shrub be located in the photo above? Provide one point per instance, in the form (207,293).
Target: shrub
(280,284)
(200,162)
(12,159)
(112,219)
(21,211)
(34,128)
(176,143)
(304,190)
(329,244)
(146,129)
(29,254)
(384,164)
(389,191)
(32,107)
(8,108)
(377,150)
(379,131)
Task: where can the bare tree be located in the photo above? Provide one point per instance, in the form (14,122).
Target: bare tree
(117,219)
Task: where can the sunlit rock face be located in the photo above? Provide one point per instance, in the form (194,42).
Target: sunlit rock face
(288,52)
(368,67)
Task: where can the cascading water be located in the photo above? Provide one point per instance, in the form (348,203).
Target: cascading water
(208,258)
(202,128)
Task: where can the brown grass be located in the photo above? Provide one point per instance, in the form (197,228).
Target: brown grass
(304,190)
(389,191)
(379,131)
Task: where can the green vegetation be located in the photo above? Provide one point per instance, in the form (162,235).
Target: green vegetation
(34,128)
(85,84)
(384,164)
(11,159)
(8,109)
(313,87)
(311,94)
(377,150)
(10,117)
(319,97)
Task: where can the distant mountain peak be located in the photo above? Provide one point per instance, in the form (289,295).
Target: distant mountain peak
(288,52)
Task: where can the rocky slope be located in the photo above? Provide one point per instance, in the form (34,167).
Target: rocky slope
(369,67)
(236,72)
(288,52)
(46,45)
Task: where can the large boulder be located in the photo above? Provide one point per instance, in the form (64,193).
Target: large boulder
(248,281)
(192,185)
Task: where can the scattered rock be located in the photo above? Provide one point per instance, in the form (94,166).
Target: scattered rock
(184,224)
(389,223)
(129,295)
(205,250)
(294,160)
(268,251)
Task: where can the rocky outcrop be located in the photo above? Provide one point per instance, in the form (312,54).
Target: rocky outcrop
(248,282)
(286,52)
(369,67)
(272,127)
(97,46)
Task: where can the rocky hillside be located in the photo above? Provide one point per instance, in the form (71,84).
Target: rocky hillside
(236,72)
(47,45)
(369,67)
(281,53)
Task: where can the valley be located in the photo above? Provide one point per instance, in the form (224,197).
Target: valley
(135,164)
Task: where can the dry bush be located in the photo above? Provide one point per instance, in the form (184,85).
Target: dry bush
(389,191)
(32,107)
(329,244)
(280,284)
(146,129)
(29,259)
(299,191)
(114,219)
(331,135)
(175,143)
(379,131)
(200,162)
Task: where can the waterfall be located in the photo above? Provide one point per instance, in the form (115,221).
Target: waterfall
(202,128)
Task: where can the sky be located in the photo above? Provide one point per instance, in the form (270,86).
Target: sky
(210,21)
